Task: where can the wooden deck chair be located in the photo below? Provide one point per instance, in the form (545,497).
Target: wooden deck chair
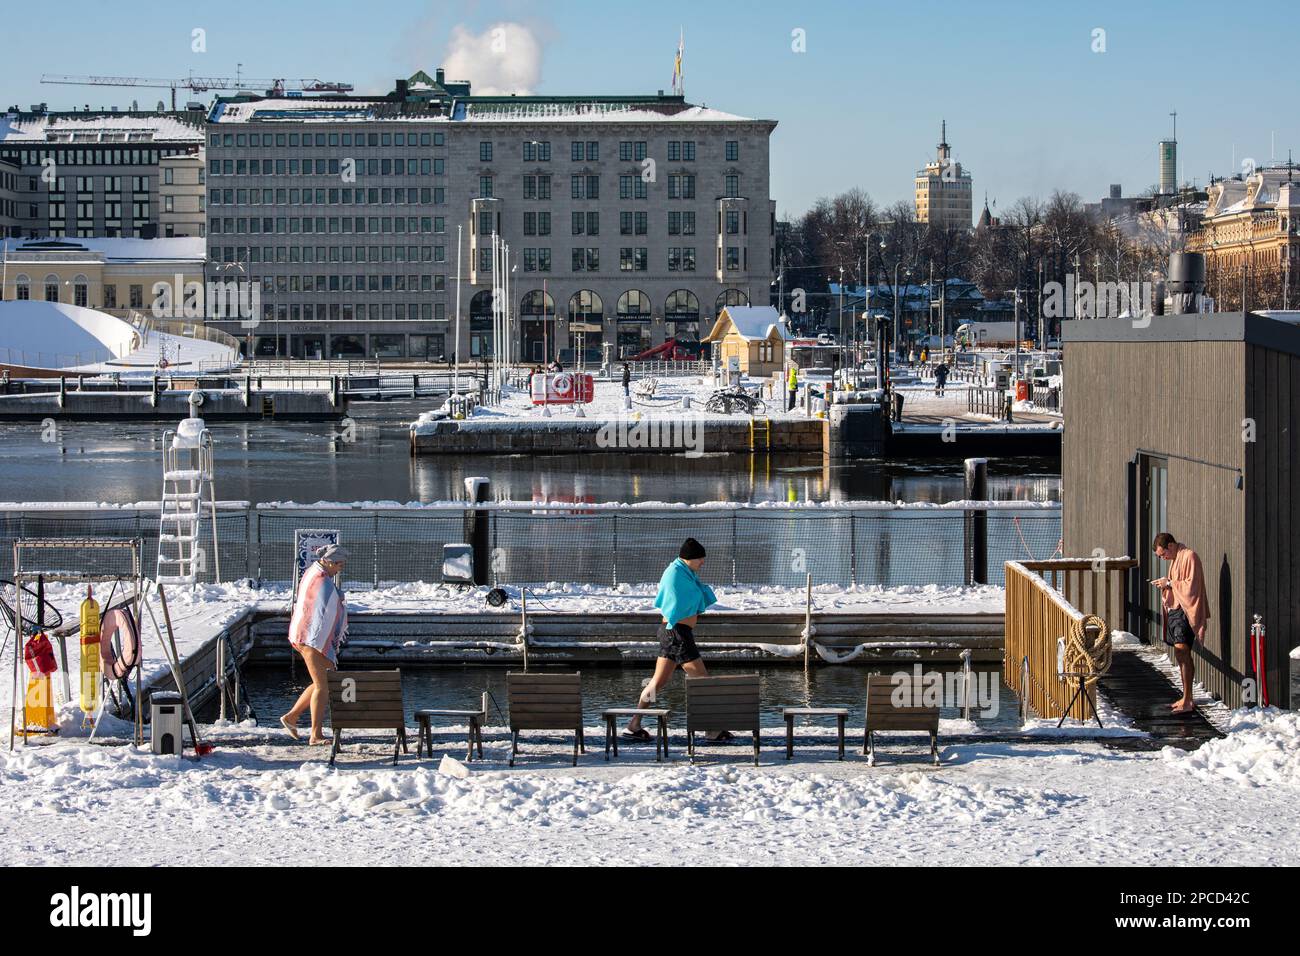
(722,703)
(883,715)
(367,700)
(545,702)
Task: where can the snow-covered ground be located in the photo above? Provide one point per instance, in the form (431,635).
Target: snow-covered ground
(256,800)
(261,798)
(607,403)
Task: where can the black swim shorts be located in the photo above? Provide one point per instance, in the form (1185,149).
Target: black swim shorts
(1177,629)
(678,644)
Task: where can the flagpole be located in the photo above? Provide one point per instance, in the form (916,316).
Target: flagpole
(456,351)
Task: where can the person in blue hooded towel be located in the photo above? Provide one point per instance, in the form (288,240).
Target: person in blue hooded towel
(681,599)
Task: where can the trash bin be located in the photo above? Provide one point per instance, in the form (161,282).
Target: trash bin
(1022,390)
(165,723)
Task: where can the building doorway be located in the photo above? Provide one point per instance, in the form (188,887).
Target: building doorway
(1152,518)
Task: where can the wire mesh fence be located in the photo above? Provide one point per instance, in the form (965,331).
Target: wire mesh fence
(881,545)
(125,523)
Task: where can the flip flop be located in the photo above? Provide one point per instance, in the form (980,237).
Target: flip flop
(641,736)
(293,731)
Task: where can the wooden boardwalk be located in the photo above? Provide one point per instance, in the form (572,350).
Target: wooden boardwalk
(922,407)
(1144,694)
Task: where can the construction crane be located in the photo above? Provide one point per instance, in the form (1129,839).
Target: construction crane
(202,84)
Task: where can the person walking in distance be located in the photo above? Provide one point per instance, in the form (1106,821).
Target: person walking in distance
(792,386)
(940,377)
(627,381)
(681,599)
(1186,610)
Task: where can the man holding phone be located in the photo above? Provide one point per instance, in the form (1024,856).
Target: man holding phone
(1185,608)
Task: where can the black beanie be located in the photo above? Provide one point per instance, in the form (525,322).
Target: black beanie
(691,549)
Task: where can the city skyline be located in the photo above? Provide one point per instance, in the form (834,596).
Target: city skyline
(1088,107)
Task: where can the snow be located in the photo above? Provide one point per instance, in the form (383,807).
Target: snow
(1261,750)
(58,335)
(595,112)
(607,405)
(1065,799)
(752,322)
(1069,802)
(128,129)
(191,250)
(467,110)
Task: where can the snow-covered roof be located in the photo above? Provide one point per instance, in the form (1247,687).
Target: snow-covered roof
(467,109)
(751,322)
(181,248)
(308,109)
(98,128)
(593,112)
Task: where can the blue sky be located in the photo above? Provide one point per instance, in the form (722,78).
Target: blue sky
(1030,106)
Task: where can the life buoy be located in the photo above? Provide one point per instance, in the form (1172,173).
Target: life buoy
(163,363)
(563,384)
(118,622)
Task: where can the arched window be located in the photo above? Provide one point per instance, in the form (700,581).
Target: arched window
(634,304)
(22,288)
(81,291)
(682,306)
(586,306)
(730,297)
(537,305)
(51,288)
(480,307)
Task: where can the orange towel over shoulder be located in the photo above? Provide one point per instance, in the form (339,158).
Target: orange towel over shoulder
(1187,588)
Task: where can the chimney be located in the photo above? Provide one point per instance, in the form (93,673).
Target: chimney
(1116,191)
(440,75)
(402,89)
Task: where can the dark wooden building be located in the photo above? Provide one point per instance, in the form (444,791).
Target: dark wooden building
(1191,425)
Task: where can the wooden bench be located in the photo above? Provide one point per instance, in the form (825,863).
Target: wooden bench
(545,702)
(840,714)
(883,715)
(475,718)
(367,700)
(612,715)
(722,703)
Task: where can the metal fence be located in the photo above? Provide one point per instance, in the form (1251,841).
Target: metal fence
(987,401)
(862,545)
(233,524)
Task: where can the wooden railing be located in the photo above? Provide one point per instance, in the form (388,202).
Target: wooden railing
(1038,613)
(1093,585)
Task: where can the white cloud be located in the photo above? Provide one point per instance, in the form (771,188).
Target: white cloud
(505,58)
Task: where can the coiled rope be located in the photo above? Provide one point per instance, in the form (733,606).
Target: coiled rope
(1087,655)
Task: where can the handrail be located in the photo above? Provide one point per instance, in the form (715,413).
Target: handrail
(1037,617)
(1095,585)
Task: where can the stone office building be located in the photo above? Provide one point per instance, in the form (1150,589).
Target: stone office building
(98,174)
(630,219)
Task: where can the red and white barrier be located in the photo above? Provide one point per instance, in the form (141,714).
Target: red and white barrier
(562,388)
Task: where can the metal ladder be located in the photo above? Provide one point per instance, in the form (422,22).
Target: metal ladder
(187,476)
